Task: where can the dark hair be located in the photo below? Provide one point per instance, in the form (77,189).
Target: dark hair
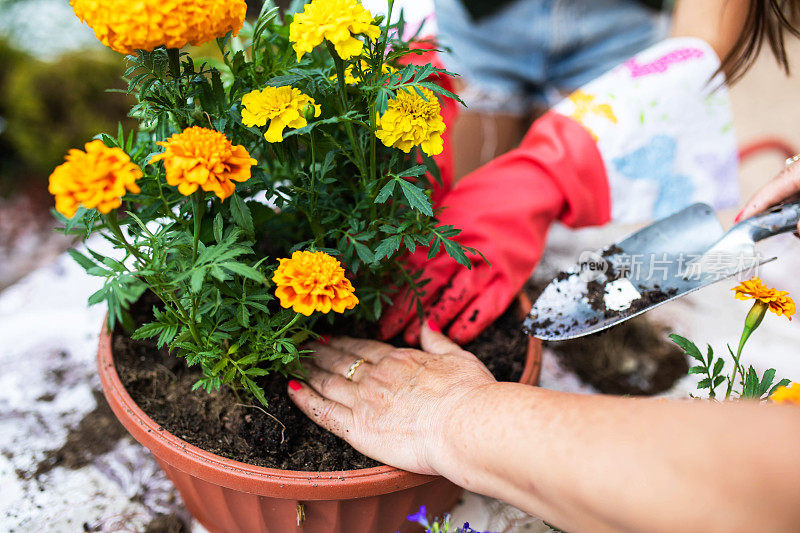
(767,20)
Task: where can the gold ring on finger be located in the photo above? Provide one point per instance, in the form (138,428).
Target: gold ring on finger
(352,369)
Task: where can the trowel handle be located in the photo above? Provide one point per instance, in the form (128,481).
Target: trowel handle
(777,219)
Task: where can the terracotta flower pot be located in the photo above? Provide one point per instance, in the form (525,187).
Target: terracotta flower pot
(230,496)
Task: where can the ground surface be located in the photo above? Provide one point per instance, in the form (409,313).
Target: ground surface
(49,389)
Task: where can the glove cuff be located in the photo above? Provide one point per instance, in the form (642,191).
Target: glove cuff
(567,152)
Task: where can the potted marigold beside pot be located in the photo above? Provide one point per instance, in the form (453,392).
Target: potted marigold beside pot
(267,197)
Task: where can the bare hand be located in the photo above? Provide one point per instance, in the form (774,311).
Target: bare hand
(397,406)
(784,186)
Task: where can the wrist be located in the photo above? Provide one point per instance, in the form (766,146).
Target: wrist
(456,450)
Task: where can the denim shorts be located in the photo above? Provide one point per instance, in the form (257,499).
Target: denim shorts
(528,52)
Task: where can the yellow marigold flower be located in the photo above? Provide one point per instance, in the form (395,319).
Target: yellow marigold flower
(313,281)
(412,121)
(98,177)
(146,24)
(282,106)
(353,79)
(199,157)
(338,21)
(779,302)
(790,394)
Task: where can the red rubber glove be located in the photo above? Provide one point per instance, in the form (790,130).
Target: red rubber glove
(505,209)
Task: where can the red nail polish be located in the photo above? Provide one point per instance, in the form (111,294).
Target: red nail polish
(294,385)
(739,216)
(325,339)
(433,326)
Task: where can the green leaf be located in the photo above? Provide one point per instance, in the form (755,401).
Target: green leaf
(81,259)
(387,247)
(455,250)
(257,391)
(244,270)
(688,346)
(782,383)
(218,228)
(416,197)
(718,367)
(697,370)
(751,383)
(241,214)
(363,251)
(415,171)
(196,282)
(221,364)
(385,192)
(766,381)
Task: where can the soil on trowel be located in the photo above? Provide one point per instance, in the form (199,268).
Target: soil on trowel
(634,358)
(280,436)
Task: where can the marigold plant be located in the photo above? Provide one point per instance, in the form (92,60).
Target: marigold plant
(752,386)
(267,192)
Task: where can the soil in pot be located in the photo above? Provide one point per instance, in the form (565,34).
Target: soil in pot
(634,358)
(281,436)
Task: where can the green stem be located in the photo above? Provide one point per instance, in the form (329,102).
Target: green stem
(751,322)
(198,207)
(283,330)
(344,108)
(174,57)
(113,225)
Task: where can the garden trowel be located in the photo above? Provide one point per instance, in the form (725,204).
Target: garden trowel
(666,260)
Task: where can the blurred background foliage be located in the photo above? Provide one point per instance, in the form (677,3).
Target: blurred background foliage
(54,81)
(54,78)
(49,107)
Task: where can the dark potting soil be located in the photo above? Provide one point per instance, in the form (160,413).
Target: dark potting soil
(635,357)
(280,436)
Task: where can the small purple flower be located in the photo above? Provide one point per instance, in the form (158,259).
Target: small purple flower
(420,517)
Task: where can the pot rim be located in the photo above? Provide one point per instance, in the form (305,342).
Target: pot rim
(258,479)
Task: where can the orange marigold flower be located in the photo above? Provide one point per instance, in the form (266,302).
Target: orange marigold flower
(98,177)
(313,281)
(779,302)
(338,21)
(146,24)
(200,157)
(412,120)
(790,394)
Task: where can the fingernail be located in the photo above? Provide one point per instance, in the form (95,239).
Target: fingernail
(433,326)
(295,385)
(739,216)
(325,339)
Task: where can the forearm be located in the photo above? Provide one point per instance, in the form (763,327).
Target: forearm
(718,22)
(593,463)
